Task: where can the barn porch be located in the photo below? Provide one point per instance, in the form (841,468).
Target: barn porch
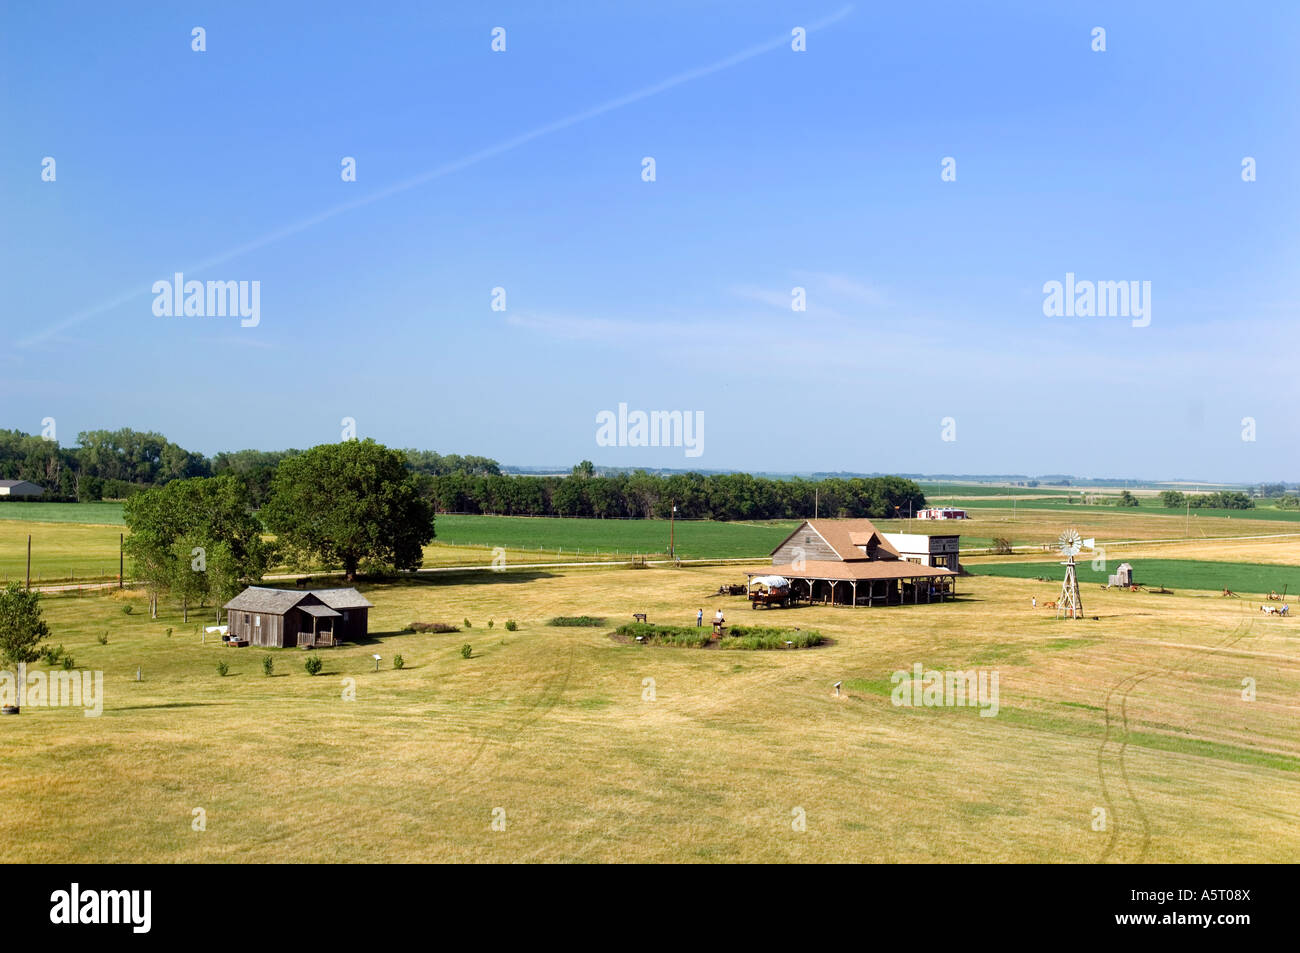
(872,592)
(316,626)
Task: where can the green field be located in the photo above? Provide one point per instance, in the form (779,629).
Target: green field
(107,514)
(1170,573)
(61,552)
(951,491)
(695,539)
(1145,509)
(64,550)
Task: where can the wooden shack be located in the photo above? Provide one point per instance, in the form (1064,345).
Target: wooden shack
(284,618)
(1123,575)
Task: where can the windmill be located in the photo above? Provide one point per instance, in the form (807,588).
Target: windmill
(1070,605)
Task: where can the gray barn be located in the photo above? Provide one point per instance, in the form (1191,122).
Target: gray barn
(20,488)
(284,618)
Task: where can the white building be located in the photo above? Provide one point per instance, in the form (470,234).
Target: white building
(943,552)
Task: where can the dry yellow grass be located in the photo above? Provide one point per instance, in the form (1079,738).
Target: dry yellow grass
(550,725)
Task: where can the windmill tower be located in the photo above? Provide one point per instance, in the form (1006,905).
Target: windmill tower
(1069,605)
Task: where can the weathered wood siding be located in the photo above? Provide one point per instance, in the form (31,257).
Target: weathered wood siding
(243,625)
(806,543)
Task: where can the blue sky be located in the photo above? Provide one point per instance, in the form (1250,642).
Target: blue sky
(775,169)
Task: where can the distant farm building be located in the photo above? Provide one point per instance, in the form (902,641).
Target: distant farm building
(20,488)
(284,618)
(849,562)
(1123,575)
(941,513)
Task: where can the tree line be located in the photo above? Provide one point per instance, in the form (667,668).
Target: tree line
(117,464)
(1219,500)
(645,495)
(120,464)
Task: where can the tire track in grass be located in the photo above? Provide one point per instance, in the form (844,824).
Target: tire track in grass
(1126,687)
(552,689)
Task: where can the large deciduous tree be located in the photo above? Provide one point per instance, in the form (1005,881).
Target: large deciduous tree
(347,503)
(197,538)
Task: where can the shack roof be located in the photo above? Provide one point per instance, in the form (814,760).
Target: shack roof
(280,601)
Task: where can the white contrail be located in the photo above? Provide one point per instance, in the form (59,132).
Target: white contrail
(443,170)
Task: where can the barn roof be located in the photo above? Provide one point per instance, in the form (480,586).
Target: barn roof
(845,536)
(320,612)
(280,601)
(10,484)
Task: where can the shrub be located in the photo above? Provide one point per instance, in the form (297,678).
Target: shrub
(680,635)
(222,668)
(68,663)
(738,637)
(268,665)
(1001,546)
(102,638)
(767,637)
(511,625)
(312,664)
(128,609)
(590,621)
(490,623)
(398,662)
(466,651)
(51,655)
(469,624)
(169,632)
(432,627)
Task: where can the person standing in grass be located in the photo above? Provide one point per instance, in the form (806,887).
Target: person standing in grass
(699,619)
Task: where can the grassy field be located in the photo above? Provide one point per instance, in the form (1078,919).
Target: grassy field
(1267,513)
(946,492)
(695,539)
(1040,526)
(1170,573)
(108,514)
(601,751)
(64,551)
(61,551)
